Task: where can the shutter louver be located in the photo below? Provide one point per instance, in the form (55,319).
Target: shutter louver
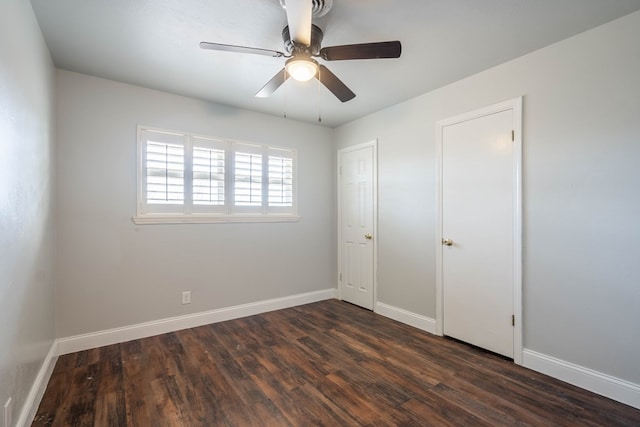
(247,179)
(280,181)
(208,176)
(165,173)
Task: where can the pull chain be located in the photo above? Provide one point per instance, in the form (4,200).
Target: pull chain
(284,95)
(319,114)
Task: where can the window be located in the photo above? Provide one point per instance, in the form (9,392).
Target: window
(190,178)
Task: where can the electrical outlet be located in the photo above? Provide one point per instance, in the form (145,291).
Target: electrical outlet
(186,297)
(8,413)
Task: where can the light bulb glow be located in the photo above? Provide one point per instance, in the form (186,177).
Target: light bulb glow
(301,70)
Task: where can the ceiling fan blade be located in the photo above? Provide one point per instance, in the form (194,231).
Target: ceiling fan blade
(334,84)
(273,84)
(299,20)
(240,49)
(362,51)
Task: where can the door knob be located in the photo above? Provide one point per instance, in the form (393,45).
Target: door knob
(368,236)
(447,242)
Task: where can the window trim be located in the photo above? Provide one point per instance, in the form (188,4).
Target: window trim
(229,213)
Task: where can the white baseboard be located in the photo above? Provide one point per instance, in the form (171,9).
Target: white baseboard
(597,382)
(30,407)
(157,327)
(407,317)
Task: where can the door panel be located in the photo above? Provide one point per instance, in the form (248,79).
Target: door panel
(478,217)
(356,182)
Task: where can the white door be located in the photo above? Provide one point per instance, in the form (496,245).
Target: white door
(356,183)
(479,196)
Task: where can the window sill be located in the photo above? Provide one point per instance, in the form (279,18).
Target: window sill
(210,219)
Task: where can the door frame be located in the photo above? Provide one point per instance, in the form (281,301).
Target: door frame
(515,105)
(373,143)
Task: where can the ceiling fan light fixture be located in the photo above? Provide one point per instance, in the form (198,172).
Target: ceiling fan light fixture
(301,69)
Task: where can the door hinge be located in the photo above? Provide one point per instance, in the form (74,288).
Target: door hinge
(340,277)
(513,320)
(513,135)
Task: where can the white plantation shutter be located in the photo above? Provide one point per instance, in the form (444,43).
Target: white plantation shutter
(191,178)
(208,172)
(165,173)
(247,168)
(162,172)
(280,181)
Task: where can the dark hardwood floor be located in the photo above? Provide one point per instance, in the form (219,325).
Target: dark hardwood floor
(328,363)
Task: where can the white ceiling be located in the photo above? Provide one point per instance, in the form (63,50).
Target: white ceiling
(154,43)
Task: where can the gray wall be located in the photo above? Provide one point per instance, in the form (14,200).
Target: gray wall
(114,273)
(26,222)
(581,186)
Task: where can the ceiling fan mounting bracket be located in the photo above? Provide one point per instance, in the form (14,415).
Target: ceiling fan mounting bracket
(292,48)
(319,8)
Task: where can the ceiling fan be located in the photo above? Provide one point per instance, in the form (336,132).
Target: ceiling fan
(302,41)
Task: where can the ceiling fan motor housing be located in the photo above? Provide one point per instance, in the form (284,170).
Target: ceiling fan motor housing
(292,48)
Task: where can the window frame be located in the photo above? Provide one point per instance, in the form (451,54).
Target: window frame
(190,212)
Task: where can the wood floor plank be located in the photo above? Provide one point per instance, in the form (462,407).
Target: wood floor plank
(489,406)
(323,364)
(79,405)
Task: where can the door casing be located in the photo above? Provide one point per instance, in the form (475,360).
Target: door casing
(374,145)
(515,105)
